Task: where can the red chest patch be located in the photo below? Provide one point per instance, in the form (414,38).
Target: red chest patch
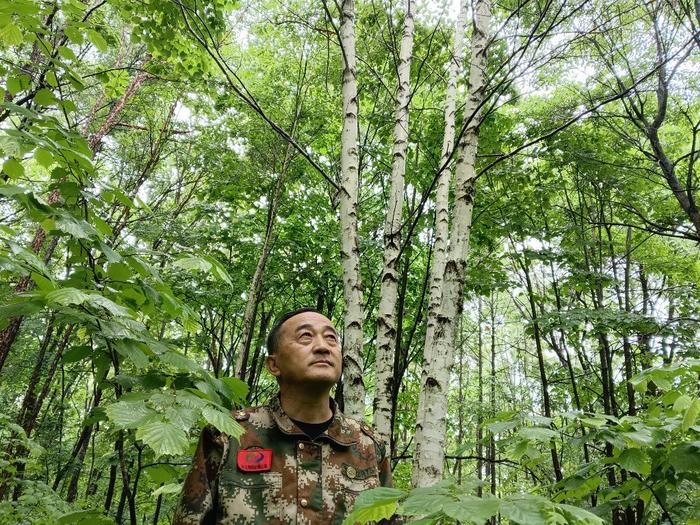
(254,459)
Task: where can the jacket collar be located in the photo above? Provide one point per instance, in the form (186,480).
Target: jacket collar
(339,431)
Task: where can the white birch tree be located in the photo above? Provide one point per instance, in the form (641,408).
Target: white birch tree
(386,318)
(442,216)
(353,386)
(438,357)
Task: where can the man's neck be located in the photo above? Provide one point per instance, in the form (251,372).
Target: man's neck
(303,404)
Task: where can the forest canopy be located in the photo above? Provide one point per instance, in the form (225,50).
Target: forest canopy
(495,203)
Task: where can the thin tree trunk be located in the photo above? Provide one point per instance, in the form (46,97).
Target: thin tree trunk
(480,405)
(353,391)
(546,402)
(386,318)
(437,269)
(437,358)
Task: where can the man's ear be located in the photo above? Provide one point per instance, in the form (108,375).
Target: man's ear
(271,364)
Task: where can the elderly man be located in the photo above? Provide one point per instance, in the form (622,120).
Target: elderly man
(300,460)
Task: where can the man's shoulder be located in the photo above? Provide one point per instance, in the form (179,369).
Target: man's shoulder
(362,431)
(258,416)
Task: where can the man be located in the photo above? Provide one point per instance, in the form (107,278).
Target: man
(300,460)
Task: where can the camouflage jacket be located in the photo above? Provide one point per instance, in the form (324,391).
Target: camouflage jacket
(296,480)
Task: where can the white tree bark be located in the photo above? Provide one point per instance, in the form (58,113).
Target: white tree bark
(438,358)
(353,386)
(437,268)
(386,318)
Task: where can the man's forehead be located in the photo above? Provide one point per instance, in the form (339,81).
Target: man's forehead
(309,320)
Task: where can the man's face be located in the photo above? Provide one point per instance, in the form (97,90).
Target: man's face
(308,351)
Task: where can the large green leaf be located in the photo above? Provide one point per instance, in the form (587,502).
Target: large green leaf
(470,509)
(163,438)
(223,421)
(635,460)
(525,510)
(374,505)
(130,414)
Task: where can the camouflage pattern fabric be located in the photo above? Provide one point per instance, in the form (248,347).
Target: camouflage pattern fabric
(308,483)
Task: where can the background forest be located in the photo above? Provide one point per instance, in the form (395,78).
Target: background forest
(495,202)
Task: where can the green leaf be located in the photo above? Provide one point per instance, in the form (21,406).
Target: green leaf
(132,352)
(525,509)
(223,422)
(538,433)
(45,97)
(578,516)
(642,437)
(690,415)
(19,309)
(470,509)
(9,190)
(76,354)
(119,271)
(193,263)
(43,157)
(686,457)
(66,296)
(682,403)
(163,473)
(13,168)
(170,488)
(98,40)
(130,414)
(97,300)
(84,517)
(163,438)
(635,460)
(11,35)
(374,505)
(74,34)
(66,53)
(179,361)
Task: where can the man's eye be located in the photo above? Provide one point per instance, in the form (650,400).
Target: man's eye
(305,336)
(331,337)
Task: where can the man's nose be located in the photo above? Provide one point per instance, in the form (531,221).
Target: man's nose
(320,344)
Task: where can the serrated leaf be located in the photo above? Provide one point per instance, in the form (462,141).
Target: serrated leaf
(635,460)
(163,438)
(94,299)
(374,505)
(192,263)
(525,509)
(74,34)
(179,361)
(76,353)
(163,473)
(13,168)
(44,97)
(170,488)
(132,352)
(43,157)
(223,422)
(470,509)
(130,414)
(686,457)
(11,35)
(538,433)
(66,296)
(98,40)
(691,414)
(578,516)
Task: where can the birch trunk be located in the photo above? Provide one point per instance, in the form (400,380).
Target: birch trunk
(437,269)
(437,358)
(386,318)
(353,387)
